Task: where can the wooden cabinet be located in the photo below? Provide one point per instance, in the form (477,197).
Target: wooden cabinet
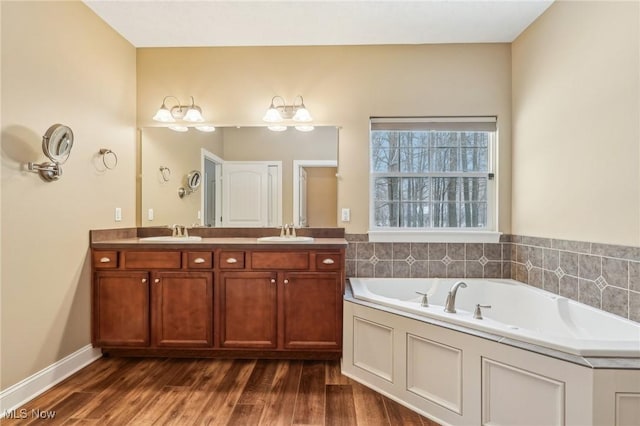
(248,310)
(121,308)
(154,306)
(293,306)
(182,309)
(222,302)
(312,304)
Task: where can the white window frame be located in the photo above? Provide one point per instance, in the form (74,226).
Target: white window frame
(487,234)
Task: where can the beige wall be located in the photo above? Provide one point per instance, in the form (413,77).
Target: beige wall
(341,85)
(60,64)
(576,128)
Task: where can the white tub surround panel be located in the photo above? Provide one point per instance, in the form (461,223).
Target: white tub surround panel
(459,378)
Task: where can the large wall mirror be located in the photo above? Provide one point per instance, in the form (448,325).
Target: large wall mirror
(251,177)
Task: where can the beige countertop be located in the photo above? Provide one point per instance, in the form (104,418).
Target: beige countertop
(205,243)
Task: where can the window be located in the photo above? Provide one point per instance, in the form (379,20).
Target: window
(432,179)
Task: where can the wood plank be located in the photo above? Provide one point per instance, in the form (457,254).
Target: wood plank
(164,406)
(259,385)
(334,374)
(80,422)
(401,415)
(121,399)
(340,409)
(218,408)
(279,409)
(310,405)
(211,376)
(369,405)
(246,414)
(61,411)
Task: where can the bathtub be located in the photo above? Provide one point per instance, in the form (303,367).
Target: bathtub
(518,311)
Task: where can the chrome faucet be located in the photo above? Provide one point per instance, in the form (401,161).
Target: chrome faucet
(450,304)
(179,231)
(287,231)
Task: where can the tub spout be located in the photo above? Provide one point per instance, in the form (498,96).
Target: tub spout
(450,304)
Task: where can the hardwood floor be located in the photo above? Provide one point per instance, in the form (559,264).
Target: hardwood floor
(149,391)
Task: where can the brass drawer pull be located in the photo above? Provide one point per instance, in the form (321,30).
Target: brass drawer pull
(273,281)
(144,280)
(105,260)
(157,280)
(286,281)
(198,260)
(328,261)
(232,260)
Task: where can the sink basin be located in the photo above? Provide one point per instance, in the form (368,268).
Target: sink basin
(285,240)
(166,239)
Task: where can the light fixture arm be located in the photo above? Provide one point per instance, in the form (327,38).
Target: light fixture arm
(295,111)
(190,113)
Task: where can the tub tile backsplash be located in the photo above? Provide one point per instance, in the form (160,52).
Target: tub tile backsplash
(601,275)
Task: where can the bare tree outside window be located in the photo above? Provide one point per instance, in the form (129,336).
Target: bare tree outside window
(430,178)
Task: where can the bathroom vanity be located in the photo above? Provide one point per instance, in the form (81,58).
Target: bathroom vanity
(220,296)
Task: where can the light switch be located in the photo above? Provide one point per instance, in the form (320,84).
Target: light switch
(150,214)
(118,214)
(346,215)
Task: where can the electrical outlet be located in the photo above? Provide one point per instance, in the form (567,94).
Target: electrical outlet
(118,214)
(150,214)
(346,215)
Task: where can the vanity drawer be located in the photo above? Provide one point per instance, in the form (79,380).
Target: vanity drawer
(199,260)
(151,259)
(328,261)
(280,260)
(232,260)
(105,259)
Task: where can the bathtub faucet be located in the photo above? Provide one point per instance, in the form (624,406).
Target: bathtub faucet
(450,304)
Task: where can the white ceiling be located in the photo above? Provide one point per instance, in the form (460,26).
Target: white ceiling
(182,23)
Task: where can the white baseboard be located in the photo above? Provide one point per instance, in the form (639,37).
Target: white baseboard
(27,389)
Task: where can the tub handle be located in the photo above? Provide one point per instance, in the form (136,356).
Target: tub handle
(477,314)
(425,299)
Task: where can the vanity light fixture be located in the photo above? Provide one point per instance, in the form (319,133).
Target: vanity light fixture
(179,115)
(279,111)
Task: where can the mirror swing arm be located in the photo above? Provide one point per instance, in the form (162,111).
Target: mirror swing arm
(193,182)
(56,145)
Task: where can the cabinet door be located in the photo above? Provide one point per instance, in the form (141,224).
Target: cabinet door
(121,309)
(312,310)
(182,314)
(248,309)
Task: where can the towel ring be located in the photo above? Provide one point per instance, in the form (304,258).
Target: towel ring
(165,172)
(106,152)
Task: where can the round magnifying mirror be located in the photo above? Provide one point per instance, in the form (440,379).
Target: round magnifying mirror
(57,143)
(193,180)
